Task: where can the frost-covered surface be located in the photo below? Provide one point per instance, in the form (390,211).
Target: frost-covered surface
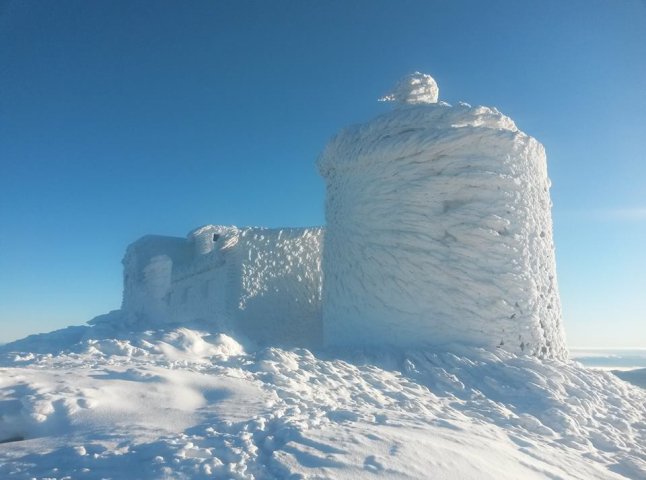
(439,230)
(279,301)
(148,265)
(439,297)
(183,403)
(263,283)
(414,89)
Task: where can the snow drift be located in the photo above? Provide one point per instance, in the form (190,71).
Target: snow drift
(190,404)
(439,230)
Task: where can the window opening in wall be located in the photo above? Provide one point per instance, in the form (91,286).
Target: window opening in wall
(216,237)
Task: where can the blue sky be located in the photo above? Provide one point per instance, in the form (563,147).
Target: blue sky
(123,118)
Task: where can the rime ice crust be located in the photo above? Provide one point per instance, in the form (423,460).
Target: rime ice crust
(416,88)
(263,283)
(439,231)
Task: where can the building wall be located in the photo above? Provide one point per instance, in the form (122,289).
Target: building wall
(262,283)
(438,232)
(279,301)
(147,271)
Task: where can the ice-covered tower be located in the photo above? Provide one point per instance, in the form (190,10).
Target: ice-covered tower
(439,230)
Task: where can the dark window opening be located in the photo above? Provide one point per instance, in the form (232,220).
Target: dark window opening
(216,236)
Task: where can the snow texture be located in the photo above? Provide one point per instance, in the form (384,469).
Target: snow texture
(435,295)
(414,89)
(180,403)
(439,231)
(262,283)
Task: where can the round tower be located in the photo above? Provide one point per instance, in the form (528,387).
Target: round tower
(439,230)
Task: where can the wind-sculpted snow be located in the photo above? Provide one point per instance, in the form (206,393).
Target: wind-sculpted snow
(414,89)
(189,404)
(439,231)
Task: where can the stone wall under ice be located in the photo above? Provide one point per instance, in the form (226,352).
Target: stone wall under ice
(262,283)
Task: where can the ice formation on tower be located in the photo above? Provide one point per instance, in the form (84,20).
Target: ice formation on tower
(414,89)
(439,230)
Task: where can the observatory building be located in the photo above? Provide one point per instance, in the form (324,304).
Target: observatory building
(438,232)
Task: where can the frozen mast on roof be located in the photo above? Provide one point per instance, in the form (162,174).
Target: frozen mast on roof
(438,232)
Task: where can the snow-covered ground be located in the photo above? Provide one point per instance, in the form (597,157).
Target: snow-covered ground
(96,402)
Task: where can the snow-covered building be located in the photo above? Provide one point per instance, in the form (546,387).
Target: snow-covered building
(263,283)
(438,231)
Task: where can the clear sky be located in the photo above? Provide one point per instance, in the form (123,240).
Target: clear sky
(122,118)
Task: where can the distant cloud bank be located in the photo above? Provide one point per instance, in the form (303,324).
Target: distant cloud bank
(624,214)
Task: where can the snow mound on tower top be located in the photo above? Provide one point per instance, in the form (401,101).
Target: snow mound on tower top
(414,89)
